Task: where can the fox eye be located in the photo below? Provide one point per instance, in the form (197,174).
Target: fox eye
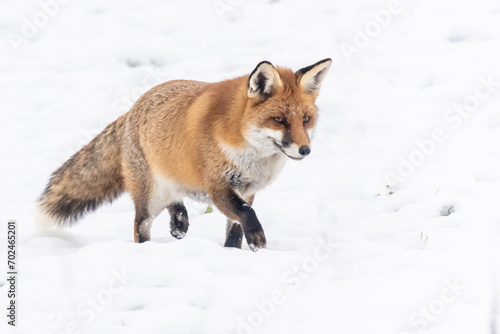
(278,119)
(307,119)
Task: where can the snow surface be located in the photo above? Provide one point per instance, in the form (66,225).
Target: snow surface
(349,250)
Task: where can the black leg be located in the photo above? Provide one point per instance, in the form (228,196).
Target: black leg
(235,208)
(234,234)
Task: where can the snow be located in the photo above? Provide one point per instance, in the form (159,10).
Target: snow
(390,225)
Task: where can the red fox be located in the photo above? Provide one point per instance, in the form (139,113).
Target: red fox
(218,143)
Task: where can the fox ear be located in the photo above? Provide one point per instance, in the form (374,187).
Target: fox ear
(310,77)
(263,81)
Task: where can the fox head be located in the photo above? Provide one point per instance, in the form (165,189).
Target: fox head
(281,113)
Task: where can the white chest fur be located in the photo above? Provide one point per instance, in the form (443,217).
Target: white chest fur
(253,169)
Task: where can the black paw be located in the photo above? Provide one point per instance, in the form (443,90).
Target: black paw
(234,236)
(256,239)
(179,221)
(178,228)
(142,237)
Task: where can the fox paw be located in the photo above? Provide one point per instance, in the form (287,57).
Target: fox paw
(179,225)
(178,234)
(256,239)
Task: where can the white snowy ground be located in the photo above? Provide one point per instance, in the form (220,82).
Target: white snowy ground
(346,253)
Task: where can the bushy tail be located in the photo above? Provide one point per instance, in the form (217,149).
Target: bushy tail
(89,178)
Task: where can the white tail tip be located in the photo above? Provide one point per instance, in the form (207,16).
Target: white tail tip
(43,220)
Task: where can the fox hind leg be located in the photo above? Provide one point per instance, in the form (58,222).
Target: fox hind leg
(140,189)
(150,196)
(179,220)
(142,225)
(147,207)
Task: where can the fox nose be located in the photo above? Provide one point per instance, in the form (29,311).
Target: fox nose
(304,150)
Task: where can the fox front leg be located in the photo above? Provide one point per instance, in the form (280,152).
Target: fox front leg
(234,234)
(239,211)
(234,231)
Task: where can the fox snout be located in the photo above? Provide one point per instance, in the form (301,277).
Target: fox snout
(296,141)
(294,144)
(296,152)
